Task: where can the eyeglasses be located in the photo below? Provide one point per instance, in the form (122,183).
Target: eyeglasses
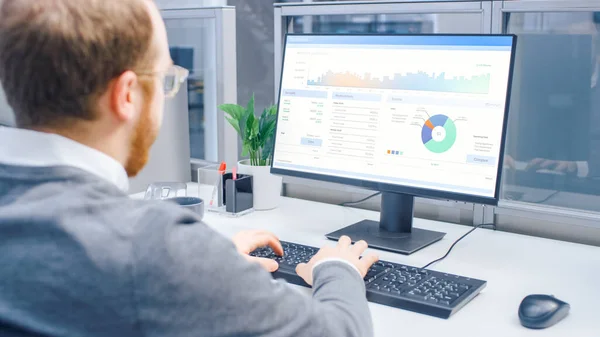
(172,79)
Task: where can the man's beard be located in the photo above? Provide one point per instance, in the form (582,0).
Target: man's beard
(143,137)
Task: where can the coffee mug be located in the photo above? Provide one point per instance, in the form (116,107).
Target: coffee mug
(192,203)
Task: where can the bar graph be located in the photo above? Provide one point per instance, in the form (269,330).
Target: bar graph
(418,81)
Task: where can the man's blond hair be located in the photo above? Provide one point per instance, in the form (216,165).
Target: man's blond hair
(58,56)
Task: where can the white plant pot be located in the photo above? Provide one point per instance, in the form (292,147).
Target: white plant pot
(266,186)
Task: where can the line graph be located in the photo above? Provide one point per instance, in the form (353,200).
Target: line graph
(419,80)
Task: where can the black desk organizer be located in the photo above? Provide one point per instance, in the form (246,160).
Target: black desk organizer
(237,194)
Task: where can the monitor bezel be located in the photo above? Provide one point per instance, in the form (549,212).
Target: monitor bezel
(397,188)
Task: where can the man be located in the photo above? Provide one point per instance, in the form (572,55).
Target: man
(86,81)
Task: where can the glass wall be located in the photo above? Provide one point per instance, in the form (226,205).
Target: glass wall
(7,117)
(553,141)
(380,18)
(387,23)
(192,46)
(254,31)
(363,24)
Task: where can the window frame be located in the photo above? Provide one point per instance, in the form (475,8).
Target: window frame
(225,67)
(566,216)
(545,221)
(282,12)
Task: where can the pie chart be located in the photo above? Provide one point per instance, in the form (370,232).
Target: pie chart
(438,134)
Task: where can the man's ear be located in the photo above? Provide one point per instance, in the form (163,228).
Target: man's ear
(122,91)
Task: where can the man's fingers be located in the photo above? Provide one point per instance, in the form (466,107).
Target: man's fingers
(562,167)
(547,163)
(274,243)
(534,163)
(344,242)
(509,162)
(359,247)
(265,239)
(367,261)
(267,264)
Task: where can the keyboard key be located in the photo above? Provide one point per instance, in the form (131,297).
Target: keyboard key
(415,296)
(432,299)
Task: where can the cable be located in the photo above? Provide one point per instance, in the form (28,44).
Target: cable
(545,199)
(359,201)
(455,242)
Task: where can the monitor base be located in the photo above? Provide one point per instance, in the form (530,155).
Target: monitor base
(397,242)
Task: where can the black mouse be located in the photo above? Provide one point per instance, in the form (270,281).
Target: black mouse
(542,311)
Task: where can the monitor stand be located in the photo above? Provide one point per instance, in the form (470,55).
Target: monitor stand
(394,231)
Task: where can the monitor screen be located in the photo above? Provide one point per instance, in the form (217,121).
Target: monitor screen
(420,114)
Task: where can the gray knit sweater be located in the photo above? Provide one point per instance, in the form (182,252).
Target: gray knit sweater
(80,258)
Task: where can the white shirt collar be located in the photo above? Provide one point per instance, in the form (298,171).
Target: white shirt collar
(31,148)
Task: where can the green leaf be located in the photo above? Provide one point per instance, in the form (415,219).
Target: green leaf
(235,124)
(254,136)
(233,110)
(262,121)
(268,149)
(250,132)
(248,111)
(244,149)
(250,106)
(255,126)
(272,110)
(234,113)
(268,130)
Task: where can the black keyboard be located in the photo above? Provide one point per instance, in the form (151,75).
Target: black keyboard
(396,285)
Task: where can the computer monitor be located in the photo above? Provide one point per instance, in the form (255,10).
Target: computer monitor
(407,115)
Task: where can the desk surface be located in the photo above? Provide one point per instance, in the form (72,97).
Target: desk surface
(514,266)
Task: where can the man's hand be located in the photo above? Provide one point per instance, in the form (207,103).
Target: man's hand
(345,251)
(553,165)
(248,241)
(509,162)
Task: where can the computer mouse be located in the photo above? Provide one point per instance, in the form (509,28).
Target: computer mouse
(542,311)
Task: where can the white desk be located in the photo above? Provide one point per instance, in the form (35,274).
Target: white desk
(514,266)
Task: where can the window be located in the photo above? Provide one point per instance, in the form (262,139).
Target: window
(7,117)
(552,152)
(387,23)
(192,46)
(380,17)
(254,21)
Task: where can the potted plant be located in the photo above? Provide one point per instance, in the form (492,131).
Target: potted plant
(257,135)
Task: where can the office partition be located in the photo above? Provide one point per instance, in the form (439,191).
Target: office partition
(551,186)
(203,40)
(378,17)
